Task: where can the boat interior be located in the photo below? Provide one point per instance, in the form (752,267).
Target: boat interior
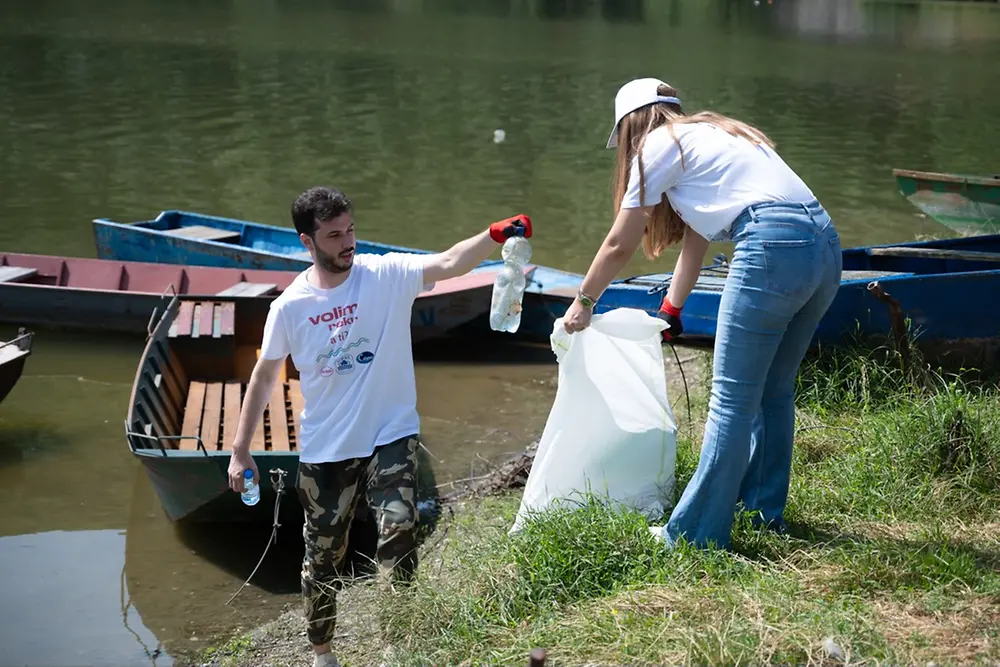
(981,253)
(115,276)
(267,238)
(193,379)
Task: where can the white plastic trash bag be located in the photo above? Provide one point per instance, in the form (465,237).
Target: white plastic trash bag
(611,432)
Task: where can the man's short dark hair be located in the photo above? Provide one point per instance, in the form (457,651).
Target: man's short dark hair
(317,205)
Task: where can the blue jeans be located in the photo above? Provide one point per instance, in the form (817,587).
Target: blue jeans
(783,276)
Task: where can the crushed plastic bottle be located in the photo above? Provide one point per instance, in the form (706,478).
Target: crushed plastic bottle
(251,495)
(508,287)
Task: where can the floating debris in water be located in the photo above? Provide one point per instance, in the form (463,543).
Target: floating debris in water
(499,136)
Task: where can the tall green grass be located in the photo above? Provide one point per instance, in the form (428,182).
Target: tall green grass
(893,552)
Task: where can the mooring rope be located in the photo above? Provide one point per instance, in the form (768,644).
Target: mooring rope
(279,485)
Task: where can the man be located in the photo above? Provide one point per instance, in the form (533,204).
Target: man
(345,321)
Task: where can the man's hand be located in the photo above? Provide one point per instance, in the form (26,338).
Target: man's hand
(238,462)
(672,316)
(519,225)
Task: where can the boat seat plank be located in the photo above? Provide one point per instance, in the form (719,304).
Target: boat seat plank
(206,320)
(231,413)
(249,289)
(16,274)
(935,253)
(203,233)
(185,319)
(192,414)
(278,413)
(227,323)
(862,274)
(210,430)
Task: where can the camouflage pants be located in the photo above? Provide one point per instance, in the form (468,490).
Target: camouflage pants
(329,493)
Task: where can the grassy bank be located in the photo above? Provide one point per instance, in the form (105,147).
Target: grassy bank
(893,554)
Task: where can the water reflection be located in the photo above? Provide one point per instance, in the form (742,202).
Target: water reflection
(66,602)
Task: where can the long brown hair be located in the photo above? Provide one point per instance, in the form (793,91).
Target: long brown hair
(665,227)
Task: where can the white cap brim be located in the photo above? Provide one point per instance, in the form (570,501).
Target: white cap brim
(634,95)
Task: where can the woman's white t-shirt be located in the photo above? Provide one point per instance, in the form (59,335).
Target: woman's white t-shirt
(351,346)
(721,176)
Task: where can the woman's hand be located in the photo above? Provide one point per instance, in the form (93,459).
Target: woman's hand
(577,317)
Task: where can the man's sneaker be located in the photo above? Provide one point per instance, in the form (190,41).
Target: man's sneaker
(325,660)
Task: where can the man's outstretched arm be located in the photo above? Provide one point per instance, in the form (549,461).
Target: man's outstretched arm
(468,254)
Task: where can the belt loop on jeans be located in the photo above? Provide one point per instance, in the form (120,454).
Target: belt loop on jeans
(752,212)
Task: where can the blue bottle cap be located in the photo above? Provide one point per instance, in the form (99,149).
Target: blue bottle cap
(248,474)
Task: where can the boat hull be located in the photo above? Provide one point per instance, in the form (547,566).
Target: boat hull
(98,295)
(184,408)
(13,355)
(969,205)
(940,287)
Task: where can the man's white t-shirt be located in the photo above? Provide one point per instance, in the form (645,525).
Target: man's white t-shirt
(351,346)
(721,176)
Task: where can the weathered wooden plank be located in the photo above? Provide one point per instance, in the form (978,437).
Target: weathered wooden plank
(166,383)
(175,365)
(207,320)
(192,414)
(158,403)
(185,318)
(227,324)
(249,289)
(217,321)
(257,439)
(298,403)
(936,253)
(231,413)
(278,414)
(154,417)
(16,274)
(204,233)
(212,417)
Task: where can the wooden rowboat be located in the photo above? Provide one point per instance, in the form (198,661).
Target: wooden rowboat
(185,405)
(969,205)
(105,295)
(195,239)
(945,287)
(13,354)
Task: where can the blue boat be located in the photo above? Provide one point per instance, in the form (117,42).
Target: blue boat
(945,288)
(181,237)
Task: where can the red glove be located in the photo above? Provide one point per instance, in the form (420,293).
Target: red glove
(671,316)
(519,225)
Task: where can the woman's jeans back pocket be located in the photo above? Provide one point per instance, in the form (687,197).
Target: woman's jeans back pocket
(791,257)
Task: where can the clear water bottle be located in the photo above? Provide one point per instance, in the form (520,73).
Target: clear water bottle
(508,288)
(252,494)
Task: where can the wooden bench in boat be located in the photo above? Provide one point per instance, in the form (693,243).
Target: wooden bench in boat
(936,253)
(249,289)
(15,274)
(203,233)
(204,319)
(213,413)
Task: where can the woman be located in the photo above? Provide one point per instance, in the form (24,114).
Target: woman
(702,178)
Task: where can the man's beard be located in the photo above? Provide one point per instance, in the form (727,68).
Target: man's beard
(333,263)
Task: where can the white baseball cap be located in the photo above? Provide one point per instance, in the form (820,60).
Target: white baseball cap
(633,95)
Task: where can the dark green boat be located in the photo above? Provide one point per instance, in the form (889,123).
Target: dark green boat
(185,406)
(969,205)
